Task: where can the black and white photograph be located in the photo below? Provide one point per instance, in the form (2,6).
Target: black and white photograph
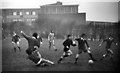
(59,35)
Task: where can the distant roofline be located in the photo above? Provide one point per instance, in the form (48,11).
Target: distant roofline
(58,5)
(102,21)
(20,8)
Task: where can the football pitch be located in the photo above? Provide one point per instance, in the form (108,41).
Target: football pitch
(16,61)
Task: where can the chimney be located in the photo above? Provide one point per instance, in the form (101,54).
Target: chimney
(59,3)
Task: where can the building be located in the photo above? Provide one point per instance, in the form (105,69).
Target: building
(10,15)
(59,8)
(0,18)
(56,16)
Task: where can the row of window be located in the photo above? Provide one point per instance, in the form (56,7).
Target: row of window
(60,10)
(23,20)
(21,13)
(50,10)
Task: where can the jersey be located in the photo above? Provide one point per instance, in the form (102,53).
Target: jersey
(51,36)
(67,43)
(108,42)
(31,43)
(15,38)
(82,43)
(39,39)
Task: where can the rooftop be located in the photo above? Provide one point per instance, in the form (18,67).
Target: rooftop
(58,3)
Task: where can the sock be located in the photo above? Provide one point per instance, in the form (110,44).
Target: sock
(91,56)
(19,48)
(54,48)
(60,60)
(103,56)
(49,47)
(112,60)
(76,60)
(14,49)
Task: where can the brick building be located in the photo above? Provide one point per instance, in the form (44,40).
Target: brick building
(10,15)
(59,8)
(61,18)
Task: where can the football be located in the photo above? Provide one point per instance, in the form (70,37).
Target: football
(90,61)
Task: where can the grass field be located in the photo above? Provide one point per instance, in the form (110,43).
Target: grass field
(12,61)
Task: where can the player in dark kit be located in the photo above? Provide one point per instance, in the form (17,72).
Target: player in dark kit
(67,43)
(32,50)
(15,41)
(82,43)
(109,42)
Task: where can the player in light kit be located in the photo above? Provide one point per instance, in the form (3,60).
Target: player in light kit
(32,50)
(82,43)
(51,38)
(109,42)
(66,50)
(16,40)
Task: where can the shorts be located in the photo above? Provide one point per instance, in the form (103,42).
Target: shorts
(16,43)
(52,42)
(82,50)
(68,52)
(109,51)
(35,56)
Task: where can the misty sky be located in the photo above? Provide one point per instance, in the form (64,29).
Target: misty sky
(96,10)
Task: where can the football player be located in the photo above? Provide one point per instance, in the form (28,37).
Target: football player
(82,43)
(109,42)
(51,38)
(16,40)
(66,50)
(32,50)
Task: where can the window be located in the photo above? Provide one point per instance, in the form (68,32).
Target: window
(64,10)
(14,13)
(71,10)
(67,9)
(56,10)
(14,19)
(28,19)
(27,13)
(33,13)
(20,20)
(33,19)
(20,13)
(74,9)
